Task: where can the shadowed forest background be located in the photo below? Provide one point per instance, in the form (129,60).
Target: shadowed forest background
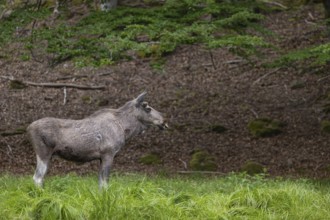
(244,84)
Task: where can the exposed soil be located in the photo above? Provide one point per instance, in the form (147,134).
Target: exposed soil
(196,89)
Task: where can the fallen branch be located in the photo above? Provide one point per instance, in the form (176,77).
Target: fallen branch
(264,76)
(200,172)
(55,85)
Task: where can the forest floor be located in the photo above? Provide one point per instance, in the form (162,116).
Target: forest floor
(196,89)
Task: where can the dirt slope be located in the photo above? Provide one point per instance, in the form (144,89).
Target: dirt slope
(196,89)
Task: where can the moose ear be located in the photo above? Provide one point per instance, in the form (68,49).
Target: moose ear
(140,98)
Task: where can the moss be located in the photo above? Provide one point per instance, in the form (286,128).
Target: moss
(86,99)
(325,126)
(150,159)
(217,129)
(17,131)
(264,127)
(16,84)
(253,168)
(202,161)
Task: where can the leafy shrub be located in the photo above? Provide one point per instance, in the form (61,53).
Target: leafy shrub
(253,168)
(319,55)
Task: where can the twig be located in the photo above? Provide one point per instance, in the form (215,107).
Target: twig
(56,85)
(323,78)
(184,164)
(9,151)
(64,99)
(276,4)
(309,22)
(264,76)
(212,59)
(200,172)
(255,113)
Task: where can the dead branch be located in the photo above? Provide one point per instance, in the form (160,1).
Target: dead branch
(212,59)
(184,164)
(266,75)
(56,85)
(323,78)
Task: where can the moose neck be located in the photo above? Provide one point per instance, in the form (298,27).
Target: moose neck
(130,125)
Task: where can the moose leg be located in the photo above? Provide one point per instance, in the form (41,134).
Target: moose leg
(41,170)
(104,174)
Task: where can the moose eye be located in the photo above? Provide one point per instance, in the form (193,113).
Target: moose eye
(144,104)
(147,109)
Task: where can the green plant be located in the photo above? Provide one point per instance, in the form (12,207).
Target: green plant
(201,160)
(253,168)
(127,32)
(150,159)
(234,196)
(319,55)
(264,127)
(325,126)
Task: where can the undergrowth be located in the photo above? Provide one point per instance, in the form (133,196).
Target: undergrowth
(128,32)
(141,197)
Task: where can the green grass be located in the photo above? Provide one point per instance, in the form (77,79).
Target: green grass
(141,197)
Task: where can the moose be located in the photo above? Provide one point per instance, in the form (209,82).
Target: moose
(96,137)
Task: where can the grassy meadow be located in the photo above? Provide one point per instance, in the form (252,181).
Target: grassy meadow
(143,197)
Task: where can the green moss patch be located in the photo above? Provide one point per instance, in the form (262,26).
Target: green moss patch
(217,129)
(16,84)
(202,161)
(325,126)
(264,127)
(150,159)
(253,168)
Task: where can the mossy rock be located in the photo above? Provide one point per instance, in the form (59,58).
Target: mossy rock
(202,161)
(217,129)
(253,168)
(150,159)
(264,127)
(16,84)
(325,126)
